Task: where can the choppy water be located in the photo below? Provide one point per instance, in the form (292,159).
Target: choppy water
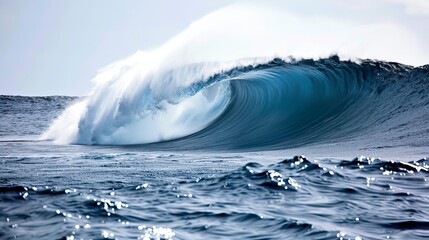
(233,185)
(91,192)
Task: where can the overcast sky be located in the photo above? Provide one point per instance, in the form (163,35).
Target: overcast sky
(56,47)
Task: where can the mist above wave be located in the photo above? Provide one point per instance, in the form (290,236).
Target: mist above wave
(164,93)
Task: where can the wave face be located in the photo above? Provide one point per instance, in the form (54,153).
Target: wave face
(265,105)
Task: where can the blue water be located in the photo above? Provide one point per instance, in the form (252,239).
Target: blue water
(363,128)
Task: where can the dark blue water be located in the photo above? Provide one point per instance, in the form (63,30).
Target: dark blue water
(363,128)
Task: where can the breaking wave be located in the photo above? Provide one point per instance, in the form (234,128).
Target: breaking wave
(270,105)
(192,92)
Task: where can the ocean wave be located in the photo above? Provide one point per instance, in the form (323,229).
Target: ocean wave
(273,105)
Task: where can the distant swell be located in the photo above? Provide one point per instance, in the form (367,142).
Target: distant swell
(274,105)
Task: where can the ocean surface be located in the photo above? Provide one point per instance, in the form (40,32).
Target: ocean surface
(298,149)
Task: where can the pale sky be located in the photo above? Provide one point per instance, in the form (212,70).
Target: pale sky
(51,47)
